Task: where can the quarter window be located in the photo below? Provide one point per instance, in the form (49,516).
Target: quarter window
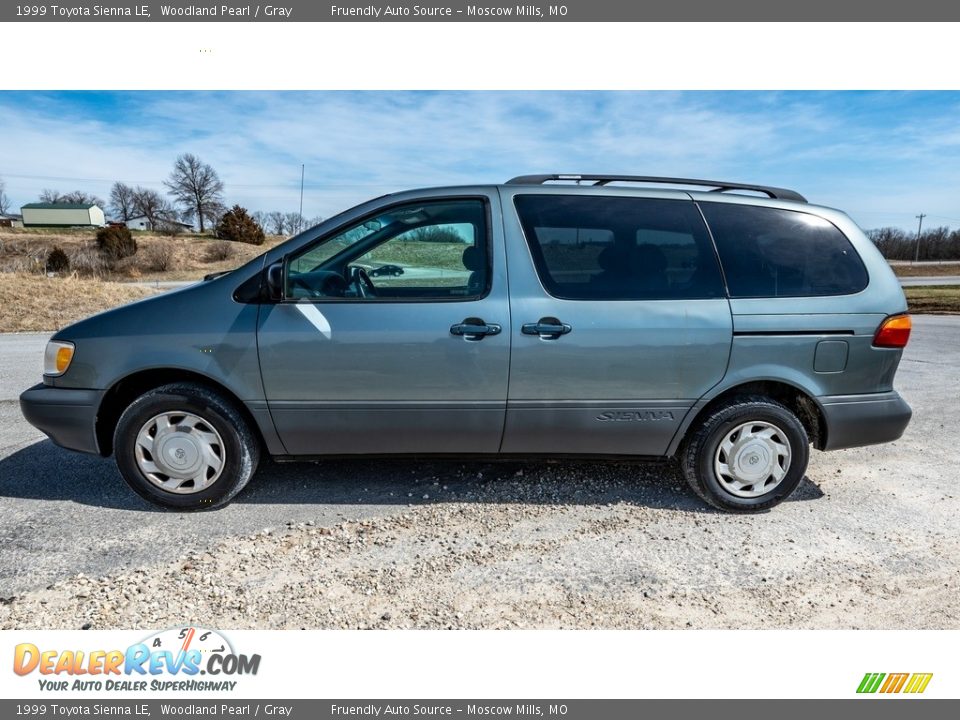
(768,252)
(619,248)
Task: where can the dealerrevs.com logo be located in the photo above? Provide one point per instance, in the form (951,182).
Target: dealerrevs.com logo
(179,659)
(910,683)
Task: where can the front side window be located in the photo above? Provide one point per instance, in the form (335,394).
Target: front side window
(619,248)
(422,251)
(768,252)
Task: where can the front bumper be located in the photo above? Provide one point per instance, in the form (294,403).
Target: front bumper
(855,420)
(67,416)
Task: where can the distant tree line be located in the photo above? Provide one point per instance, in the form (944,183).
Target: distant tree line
(194,195)
(940,243)
(284,223)
(77,196)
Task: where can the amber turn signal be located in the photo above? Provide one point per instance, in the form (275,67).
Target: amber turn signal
(893,332)
(64,356)
(57,357)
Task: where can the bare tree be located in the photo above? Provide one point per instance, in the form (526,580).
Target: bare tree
(197,187)
(937,243)
(152,205)
(77,196)
(277,222)
(4,199)
(121,201)
(294,222)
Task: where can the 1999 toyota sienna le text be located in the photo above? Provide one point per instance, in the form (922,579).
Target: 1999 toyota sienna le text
(730,327)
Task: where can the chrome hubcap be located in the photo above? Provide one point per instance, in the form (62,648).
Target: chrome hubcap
(180,452)
(752,459)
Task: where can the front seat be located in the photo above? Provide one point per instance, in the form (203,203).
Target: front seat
(473,261)
(651,270)
(616,278)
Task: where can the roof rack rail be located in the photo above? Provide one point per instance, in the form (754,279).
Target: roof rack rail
(718,186)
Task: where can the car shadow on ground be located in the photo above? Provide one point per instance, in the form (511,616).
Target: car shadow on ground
(43,471)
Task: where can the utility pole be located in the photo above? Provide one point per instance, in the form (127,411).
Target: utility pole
(916,252)
(300,214)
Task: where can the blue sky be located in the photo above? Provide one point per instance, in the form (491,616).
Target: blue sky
(881,156)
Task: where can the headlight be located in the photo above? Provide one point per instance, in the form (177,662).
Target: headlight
(57,357)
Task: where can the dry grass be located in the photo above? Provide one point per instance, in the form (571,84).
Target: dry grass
(221,250)
(32,302)
(947,268)
(162,256)
(36,303)
(159,257)
(933,299)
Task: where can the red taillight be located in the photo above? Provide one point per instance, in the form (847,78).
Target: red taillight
(893,332)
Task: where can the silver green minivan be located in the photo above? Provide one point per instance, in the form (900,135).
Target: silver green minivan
(728,326)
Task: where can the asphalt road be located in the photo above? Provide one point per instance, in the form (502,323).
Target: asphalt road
(932,280)
(870,538)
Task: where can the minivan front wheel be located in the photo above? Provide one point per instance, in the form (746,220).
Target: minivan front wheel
(747,455)
(185,447)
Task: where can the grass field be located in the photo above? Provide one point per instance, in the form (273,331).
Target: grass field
(947,268)
(933,299)
(36,303)
(183,257)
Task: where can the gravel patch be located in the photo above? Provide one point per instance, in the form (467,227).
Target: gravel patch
(510,551)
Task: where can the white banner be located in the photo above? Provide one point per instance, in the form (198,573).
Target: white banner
(195,662)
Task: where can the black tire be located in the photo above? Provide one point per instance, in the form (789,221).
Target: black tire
(698,455)
(240,446)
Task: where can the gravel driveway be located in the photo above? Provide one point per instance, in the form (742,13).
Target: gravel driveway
(869,541)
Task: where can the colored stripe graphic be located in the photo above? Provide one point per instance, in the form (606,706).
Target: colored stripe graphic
(918,683)
(870,682)
(894,683)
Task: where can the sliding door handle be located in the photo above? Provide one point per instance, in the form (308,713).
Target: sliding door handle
(474,329)
(548,328)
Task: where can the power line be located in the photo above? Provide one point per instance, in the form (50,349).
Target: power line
(231,184)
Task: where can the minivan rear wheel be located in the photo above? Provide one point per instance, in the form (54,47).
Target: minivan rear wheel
(184,446)
(747,455)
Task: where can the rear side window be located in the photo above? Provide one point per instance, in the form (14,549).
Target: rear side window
(767,252)
(619,248)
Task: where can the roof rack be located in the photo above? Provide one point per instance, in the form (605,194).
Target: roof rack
(718,186)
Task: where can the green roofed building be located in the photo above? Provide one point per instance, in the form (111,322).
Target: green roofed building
(62,215)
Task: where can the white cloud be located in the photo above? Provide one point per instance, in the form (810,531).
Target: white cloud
(357,145)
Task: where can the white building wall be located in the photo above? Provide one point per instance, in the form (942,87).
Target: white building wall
(63,216)
(59,216)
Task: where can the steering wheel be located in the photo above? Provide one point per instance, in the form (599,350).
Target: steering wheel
(361,282)
(319,284)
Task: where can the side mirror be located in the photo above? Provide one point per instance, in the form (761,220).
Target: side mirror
(276,281)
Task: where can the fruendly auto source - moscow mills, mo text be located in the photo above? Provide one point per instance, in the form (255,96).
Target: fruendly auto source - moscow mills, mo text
(253,12)
(390,11)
